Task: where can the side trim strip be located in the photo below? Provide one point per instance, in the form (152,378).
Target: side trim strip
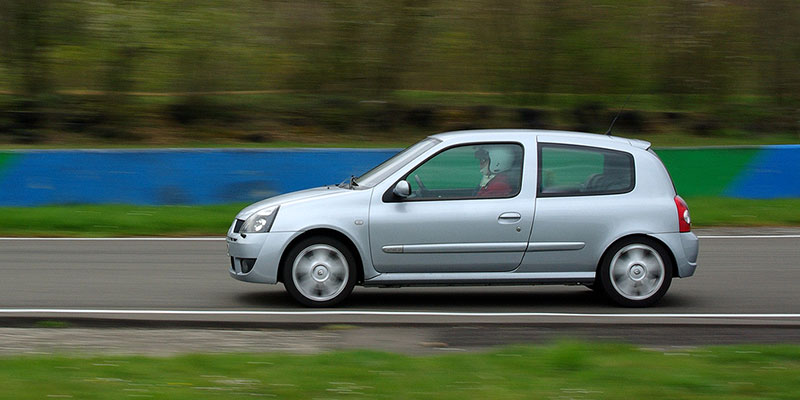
(393,249)
(555,246)
(480,247)
(455,248)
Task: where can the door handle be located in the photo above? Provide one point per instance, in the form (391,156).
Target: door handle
(509,217)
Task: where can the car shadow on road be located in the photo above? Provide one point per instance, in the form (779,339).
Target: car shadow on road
(467,299)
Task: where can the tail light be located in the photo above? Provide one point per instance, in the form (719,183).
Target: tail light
(684,219)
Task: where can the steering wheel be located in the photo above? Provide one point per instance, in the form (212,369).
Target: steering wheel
(423,191)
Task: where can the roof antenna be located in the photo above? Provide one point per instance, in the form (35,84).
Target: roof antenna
(608,132)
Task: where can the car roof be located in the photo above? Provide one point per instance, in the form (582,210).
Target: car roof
(551,134)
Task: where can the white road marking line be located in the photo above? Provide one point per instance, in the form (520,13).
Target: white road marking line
(199,239)
(383,313)
(749,237)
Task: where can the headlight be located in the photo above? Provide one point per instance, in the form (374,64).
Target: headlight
(261,221)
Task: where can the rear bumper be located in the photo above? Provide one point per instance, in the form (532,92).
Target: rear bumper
(685,247)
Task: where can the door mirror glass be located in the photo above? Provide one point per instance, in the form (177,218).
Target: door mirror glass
(402,189)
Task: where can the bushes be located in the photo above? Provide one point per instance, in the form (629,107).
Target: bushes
(531,118)
(229,118)
(190,109)
(22,120)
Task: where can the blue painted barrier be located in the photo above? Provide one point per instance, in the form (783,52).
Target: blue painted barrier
(218,176)
(774,173)
(156,177)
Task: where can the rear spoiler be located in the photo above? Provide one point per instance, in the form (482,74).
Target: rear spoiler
(642,144)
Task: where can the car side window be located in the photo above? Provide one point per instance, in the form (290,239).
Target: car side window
(491,170)
(569,170)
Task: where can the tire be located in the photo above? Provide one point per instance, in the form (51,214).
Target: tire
(319,271)
(635,272)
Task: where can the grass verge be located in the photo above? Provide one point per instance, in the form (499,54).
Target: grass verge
(565,370)
(117,220)
(128,220)
(722,211)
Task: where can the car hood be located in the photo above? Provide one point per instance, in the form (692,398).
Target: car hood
(294,197)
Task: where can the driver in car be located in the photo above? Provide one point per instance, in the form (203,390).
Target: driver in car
(495,161)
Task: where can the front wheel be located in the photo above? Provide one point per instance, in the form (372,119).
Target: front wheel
(636,272)
(319,272)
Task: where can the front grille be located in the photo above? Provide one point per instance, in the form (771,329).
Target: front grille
(238,226)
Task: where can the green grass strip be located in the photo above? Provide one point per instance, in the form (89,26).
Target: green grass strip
(128,220)
(722,211)
(117,220)
(566,370)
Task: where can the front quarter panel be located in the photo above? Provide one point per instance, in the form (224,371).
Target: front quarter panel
(345,212)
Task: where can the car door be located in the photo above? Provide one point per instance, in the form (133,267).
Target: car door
(457,219)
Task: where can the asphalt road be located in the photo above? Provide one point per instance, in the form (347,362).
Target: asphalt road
(188,280)
(744,291)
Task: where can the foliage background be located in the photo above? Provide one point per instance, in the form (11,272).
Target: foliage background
(180,71)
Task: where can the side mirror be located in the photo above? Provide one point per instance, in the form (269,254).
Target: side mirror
(402,189)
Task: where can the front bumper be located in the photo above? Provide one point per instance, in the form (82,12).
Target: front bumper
(261,251)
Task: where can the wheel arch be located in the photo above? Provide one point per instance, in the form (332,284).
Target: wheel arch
(663,245)
(328,232)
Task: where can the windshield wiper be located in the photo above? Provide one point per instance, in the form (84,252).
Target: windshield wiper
(348,183)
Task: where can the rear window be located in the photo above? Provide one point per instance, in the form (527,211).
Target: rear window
(569,170)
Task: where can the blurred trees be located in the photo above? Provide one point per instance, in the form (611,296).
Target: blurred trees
(719,57)
(574,46)
(24,42)
(777,49)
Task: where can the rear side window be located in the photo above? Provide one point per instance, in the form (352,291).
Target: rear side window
(569,170)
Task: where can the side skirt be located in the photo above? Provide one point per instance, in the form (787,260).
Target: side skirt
(482,278)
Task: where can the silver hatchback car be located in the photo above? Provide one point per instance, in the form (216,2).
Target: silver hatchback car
(484,207)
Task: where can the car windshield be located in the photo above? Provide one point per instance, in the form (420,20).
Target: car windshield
(390,166)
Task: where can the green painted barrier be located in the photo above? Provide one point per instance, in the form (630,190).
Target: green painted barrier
(5,160)
(705,172)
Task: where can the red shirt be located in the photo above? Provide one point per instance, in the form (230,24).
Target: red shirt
(498,186)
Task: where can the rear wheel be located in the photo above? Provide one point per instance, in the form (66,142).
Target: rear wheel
(319,272)
(636,272)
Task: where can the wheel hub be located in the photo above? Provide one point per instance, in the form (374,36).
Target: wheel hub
(637,272)
(320,273)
